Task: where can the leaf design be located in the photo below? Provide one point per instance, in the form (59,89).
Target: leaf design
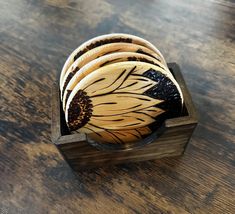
(136,84)
(106,82)
(120,103)
(130,119)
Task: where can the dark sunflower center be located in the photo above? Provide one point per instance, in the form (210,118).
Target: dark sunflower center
(80,111)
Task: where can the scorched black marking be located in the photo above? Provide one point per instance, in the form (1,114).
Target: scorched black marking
(101,42)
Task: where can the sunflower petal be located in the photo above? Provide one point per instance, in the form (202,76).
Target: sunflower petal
(136,84)
(120,103)
(144,130)
(104,82)
(120,137)
(128,120)
(166,72)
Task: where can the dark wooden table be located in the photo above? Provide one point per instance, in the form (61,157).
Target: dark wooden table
(35,39)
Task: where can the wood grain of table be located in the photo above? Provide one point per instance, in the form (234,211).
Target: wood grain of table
(35,39)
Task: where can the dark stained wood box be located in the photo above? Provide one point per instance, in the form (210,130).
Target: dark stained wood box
(81,155)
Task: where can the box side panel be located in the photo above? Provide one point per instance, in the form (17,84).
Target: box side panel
(171,143)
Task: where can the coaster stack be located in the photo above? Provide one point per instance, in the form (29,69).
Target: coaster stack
(117,90)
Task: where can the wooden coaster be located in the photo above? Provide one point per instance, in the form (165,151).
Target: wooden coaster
(115,97)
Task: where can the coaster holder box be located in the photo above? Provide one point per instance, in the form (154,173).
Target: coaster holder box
(80,154)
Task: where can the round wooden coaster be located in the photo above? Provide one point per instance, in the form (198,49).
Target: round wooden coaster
(115,97)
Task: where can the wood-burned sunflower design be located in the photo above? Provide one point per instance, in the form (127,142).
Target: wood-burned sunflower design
(116,103)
